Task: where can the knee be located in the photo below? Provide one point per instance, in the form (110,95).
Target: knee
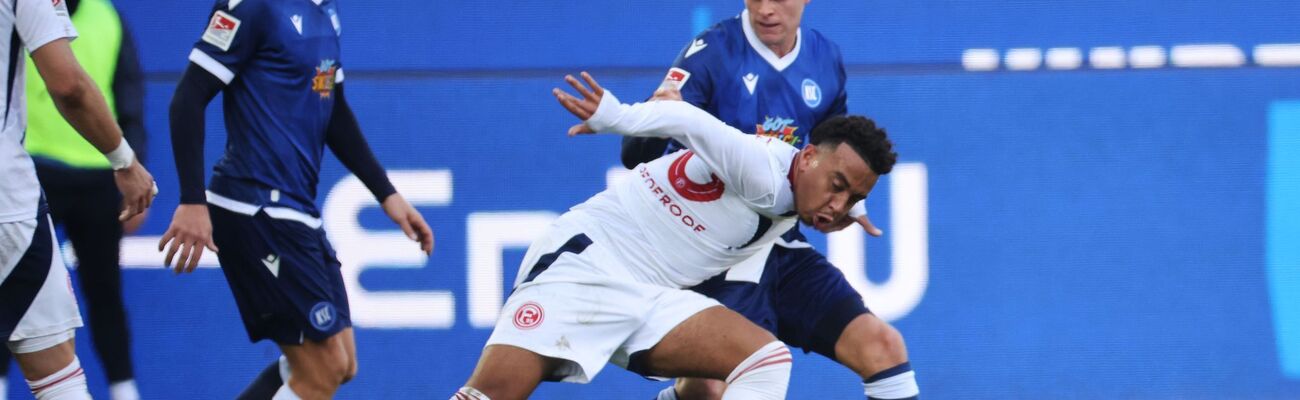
(870,346)
(890,343)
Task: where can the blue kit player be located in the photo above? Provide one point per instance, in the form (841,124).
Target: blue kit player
(761,73)
(278,64)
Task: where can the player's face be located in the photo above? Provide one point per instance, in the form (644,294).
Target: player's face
(775,21)
(828,182)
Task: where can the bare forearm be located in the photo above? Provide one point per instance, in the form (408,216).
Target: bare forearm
(84,108)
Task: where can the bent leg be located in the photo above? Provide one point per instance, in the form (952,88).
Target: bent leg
(718,343)
(875,350)
(53,372)
(507,372)
(319,367)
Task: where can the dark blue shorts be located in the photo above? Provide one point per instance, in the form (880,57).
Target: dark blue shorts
(284,275)
(801,297)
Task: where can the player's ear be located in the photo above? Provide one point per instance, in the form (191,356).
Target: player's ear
(808,156)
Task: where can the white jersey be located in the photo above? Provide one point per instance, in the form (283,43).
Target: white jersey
(689,216)
(25,25)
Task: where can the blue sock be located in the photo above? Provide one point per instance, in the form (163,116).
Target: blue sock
(265,385)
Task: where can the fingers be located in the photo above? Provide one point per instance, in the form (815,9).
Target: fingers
(171,253)
(595,87)
(194,261)
(185,257)
(869,227)
(580,129)
(405,224)
(571,104)
(167,237)
(128,210)
(582,90)
(425,233)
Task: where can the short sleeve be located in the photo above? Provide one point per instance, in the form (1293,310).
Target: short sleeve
(40,22)
(231,38)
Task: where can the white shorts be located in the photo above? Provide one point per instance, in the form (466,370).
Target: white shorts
(36,302)
(573,311)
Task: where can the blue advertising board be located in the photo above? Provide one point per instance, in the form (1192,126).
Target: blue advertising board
(1095,199)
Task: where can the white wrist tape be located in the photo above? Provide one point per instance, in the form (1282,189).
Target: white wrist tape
(122,157)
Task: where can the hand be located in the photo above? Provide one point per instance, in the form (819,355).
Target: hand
(131,225)
(585,108)
(137,187)
(411,222)
(190,232)
(869,227)
(667,93)
(845,221)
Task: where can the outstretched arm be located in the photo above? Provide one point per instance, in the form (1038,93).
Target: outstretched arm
(742,161)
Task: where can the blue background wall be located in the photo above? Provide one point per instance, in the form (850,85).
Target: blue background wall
(1092,233)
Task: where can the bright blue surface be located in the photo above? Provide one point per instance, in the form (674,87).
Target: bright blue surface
(1092,234)
(1284,229)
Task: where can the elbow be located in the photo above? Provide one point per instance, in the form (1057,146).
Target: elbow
(629,161)
(69,92)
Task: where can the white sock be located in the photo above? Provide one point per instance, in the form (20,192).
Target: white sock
(764,375)
(468,393)
(898,382)
(124,390)
(67,384)
(285,393)
(669,393)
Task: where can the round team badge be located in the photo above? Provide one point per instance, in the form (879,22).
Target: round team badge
(322,316)
(529,316)
(812,94)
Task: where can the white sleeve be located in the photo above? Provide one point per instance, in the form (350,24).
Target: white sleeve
(40,22)
(742,161)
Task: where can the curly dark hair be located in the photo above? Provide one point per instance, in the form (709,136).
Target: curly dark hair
(861,133)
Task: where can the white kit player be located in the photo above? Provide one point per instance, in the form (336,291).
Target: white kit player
(606,281)
(38,312)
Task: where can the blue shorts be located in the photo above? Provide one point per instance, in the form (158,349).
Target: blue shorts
(284,275)
(800,297)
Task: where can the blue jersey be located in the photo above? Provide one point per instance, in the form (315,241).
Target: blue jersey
(728,72)
(280,59)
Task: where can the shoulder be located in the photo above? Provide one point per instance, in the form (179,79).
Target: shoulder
(718,42)
(821,45)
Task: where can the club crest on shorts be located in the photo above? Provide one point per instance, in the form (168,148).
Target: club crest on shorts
(322,316)
(529,316)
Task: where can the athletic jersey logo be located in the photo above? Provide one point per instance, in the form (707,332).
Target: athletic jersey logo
(812,94)
(677,77)
(689,189)
(323,83)
(322,316)
(297,22)
(696,46)
(529,316)
(751,81)
(221,30)
(780,129)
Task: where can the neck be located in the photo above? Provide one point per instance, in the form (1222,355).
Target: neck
(783,48)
